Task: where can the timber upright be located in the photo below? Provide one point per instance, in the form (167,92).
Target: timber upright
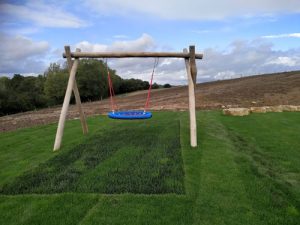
(191,68)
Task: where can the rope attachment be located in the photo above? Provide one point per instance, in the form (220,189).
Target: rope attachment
(150,86)
(113,104)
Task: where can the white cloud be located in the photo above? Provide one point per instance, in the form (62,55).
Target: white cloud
(223,75)
(244,58)
(22,55)
(22,30)
(124,66)
(145,42)
(140,68)
(86,46)
(240,58)
(41,14)
(292,35)
(285,61)
(193,9)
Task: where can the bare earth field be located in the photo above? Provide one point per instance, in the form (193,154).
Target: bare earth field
(262,90)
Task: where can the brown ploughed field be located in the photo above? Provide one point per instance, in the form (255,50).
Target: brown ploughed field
(261,90)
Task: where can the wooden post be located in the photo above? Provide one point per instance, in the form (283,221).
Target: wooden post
(192,102)
(65,107)
(76,92)
(193,63)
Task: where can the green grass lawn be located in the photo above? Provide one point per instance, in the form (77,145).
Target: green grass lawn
(246,170)
(129,157)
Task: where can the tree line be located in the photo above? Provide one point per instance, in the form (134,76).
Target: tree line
(20,93)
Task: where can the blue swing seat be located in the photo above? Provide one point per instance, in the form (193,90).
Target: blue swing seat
(130,115)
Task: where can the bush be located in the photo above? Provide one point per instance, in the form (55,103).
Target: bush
(167,86)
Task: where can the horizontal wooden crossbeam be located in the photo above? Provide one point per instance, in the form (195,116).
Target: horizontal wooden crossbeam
(132,54)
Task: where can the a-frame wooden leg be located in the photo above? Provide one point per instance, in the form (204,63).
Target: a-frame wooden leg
(76,92)
(192,103)
(65,107)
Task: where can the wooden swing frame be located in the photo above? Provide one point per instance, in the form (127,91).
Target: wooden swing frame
(73,61)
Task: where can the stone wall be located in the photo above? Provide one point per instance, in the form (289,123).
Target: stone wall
(263,109)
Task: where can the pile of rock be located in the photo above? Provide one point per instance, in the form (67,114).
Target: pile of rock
(236,111)
(263,109)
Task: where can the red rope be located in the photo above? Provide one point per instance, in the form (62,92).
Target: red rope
(111,91)
(150,87)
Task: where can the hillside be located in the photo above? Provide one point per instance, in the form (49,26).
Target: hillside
(268,89)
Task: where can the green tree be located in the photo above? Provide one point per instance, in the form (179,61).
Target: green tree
(155,86)
(167,86)
(40,99)
(55,84)
(93,82)
(55,87)
(55,68)
(4,95)
(21,94)
(129,85)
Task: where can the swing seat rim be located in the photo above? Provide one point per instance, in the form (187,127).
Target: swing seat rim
(129,115)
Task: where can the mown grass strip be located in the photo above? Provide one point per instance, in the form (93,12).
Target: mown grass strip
(261,150)
(131,209)
(65,209)
(220,195)
(25,149)
(147,159)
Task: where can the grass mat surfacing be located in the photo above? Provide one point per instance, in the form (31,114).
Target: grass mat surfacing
(129,158)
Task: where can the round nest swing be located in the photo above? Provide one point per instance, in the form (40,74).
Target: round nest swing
(130,114)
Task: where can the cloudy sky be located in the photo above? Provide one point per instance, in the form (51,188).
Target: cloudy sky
(238,38)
